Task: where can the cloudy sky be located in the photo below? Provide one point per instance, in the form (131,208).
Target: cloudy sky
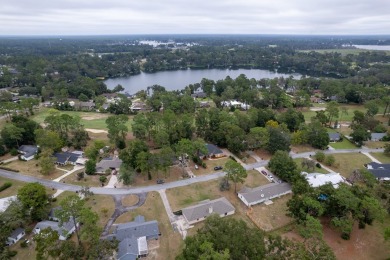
(97,17)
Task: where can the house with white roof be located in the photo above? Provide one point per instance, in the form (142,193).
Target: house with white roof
(319,179)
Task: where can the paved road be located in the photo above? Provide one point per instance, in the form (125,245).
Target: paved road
(185,182)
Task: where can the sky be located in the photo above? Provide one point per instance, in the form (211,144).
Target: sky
(107,17)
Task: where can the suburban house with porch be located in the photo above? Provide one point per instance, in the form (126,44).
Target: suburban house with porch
(377,136)
(134,237)
(64,158)
(380,171)
(63,231)
(213,152)
(15,236)
(334,137)
(28,152)
(318,179)
(263,193)
(222,207)
(111,164)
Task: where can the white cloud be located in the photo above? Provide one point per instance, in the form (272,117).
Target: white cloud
(182,16)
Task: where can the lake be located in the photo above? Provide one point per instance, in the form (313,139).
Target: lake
(179,79)
(373,47)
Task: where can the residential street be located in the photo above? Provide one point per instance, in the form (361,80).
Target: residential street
(180,183)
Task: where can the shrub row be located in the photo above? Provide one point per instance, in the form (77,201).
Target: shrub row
(5,186)
(8,169)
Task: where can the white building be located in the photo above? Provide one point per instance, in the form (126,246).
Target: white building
(263,193)
(318,179)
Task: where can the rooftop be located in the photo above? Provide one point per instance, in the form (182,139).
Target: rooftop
(206,208)
(319,179)
(266,191)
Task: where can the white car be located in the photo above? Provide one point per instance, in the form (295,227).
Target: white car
(196,166)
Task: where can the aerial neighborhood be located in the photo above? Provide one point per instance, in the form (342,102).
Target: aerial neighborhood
(280,167)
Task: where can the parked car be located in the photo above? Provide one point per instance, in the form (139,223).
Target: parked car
(196,166)
(160,181)
(264,172)
(217,168)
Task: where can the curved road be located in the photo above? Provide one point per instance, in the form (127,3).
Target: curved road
(135,190)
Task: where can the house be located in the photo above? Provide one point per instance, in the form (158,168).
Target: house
(65,158)
(134,237)
(86,105)
(377,136)
(203,209)
(203,104)
(28,152)
(379,170)
(15,236)
(112,164)
(199,95)
(334,137)
(263,193)
(139,106)
(318,179)
(214,152)
(52,214)
(63,231)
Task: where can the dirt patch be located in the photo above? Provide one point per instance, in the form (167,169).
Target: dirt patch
(263,154)
(365,243)
(96,131)
(302,148)
(317,108)
(130,200)
(93,116)
(272,216)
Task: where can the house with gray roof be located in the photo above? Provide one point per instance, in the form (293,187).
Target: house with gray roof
(134,237)
(111,163)
(15,236)
(65,158)
(377,136)
(380,171)
(334,137)
(28,152)
(263,193)
(203,209)
(63,231)
(213,151)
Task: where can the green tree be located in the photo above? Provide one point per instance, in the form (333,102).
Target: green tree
(235,172)
(372,107)
(330,160)
(283,166)
(12,135)
(332,110)
(319,156)
(47,245)
(317,136)
(90,167)
(279,139)
(48,139)
(387,149)
(46,161)
(359,135)
(34,200)
(117,129)
(83,97)
(129,155)
(257,138)
(126,174)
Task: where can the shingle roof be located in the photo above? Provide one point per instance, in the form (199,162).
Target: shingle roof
(334,136)
(264,192)
(201,210)
(63,230)
(375,166)
(377,136)
(66,156)
(28,150)
(16,232)
(128,249)
(213,149)
(108,163)
(138,228)
(381,173)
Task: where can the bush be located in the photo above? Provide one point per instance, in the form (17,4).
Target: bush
(224,184)
(5,186)
(318,165)
(8,169)
(204,165)
(102,179)
(319,156)
(196,160)
(12,253)
(231,157)
(14,152)
(330,160)
(23,244)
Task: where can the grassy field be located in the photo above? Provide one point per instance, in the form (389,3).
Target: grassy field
(308,114)
(348,162)
(345,144)
(374,145)
(298,161)
(88,119)
(381,157)
(130,200)
(13,190)
(210,164)
(170,242)
(32,169)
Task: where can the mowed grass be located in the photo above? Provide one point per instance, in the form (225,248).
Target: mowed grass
(344,144)
(308,114)
(170,242)
(254,179)
(13,190)
(298,161)
(31,168)
(381,157)
(88,119)
(346,163)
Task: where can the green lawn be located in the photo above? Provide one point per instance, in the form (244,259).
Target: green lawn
(88,119)
(381,157)
(298,161)
(346,163)
(11,191)
(345,144)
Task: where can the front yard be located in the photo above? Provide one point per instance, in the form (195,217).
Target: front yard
(381,157)
(346,163)
(344,144)
(31,168)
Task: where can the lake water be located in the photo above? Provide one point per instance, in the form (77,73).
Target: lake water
(179,79)
(373,47)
